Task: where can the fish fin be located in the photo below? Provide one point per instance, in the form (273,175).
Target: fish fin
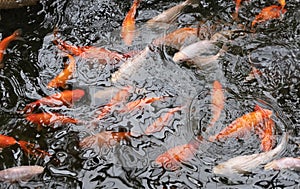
(257,108)
(239,170)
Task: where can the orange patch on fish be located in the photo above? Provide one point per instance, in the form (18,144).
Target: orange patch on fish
(244,123)
(121,96)
(268,13)
(5,42)
(6,141)
(268,141)
(61,79)
(171,159)
(161,121)
(137,104)
(128,25)
(66,97)
(218,101)
(50,118)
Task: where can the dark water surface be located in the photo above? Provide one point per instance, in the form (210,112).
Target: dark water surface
(31,64)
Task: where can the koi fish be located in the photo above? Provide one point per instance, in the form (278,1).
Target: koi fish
(5,42)
(169,15)
(200,53)
(28,148)
(130,106)
(246,164)
(268,13)
(284,163)
(11,4)
(61,79)
(128,25)
(253,74)
(267,141)
(161,121)
(66,97)
(109,138)
(282,3)
(244,123)
(217,102)
(178,38)
(21,173)
(50,118)
(103,55)
(171,158)
(121,96)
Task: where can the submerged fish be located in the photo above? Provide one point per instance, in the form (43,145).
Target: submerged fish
(269,13)
(22,173)
(128,25)
(218,101)
(61,79)
(5,42)
(66,97)
(284,163)
(244,123)
(50,118)
(12,4)
(246,164)
(201,53)
(171,14)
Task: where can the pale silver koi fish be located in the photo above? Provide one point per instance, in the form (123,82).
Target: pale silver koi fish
(12,4)
(245,164)
(284,163)
(172,13)
(22,173)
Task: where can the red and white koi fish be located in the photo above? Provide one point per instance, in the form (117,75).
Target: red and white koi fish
(21,173)
(247,163)
(121,96)
(61,79)
(244,123)
(159,123)
(50,118)
(108,138)
(268,13)
(128,25)
(66,97)
(172,158)
(104,56)
(5,42)
(218,100)
(284,163)
(28,148)
(169,15)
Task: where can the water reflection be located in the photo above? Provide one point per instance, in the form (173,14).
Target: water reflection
(130,163)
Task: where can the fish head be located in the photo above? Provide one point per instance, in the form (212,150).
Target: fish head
(180,57)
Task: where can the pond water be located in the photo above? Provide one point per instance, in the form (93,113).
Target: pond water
(30,64)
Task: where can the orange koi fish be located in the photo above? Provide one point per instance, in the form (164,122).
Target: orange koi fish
(244,123)
(66,97)
(5,42)
(137,104)
(103,55)
(171,159)
(217,102)
(128,25)
(28,148)
(161,121)
(121,96)
(20,174)
(282,3)
(109,138)
(61,79)
(50,118)
(268,13)
(268,141)
(179,38)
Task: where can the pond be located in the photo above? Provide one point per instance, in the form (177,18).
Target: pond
(146,71)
